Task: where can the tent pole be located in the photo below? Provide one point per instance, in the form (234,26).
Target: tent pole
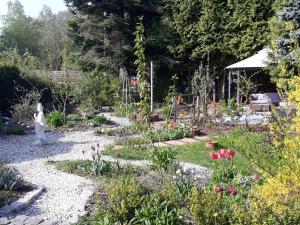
(229,84)
(238,88)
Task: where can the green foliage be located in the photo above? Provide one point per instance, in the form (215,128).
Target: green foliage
(218,28)
(162,158)
(140,62)
(122,131)
(55,119)
(9,180)
(99,120)
(18,78)
(169,104)
(125,195)
(207,207)
(9,77)
(99,166)
(73,117)
(19,30)
(80,167)
(285,43)
(15,130)
(169,134)
(157,210)
(232,109)
(96,89)
(124,111)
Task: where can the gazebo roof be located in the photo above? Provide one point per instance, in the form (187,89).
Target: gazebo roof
(259,60)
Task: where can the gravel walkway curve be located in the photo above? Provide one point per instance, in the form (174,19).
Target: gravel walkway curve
(66,194)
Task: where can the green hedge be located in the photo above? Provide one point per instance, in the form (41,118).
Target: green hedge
(10,78)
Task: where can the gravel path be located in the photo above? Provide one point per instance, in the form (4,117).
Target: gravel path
(66,194)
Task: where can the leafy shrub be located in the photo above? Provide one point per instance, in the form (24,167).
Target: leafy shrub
(183,184)
(169,134)
(122,131)
(162,158)
(9,77)
(99,166)
(25,107)
(167,111)
(125,196)
(99,120)
(15,130)
(73,117)
(208,207)
(81,167)
(55,119)
(97,89)
(156,209)
(9,180)
(124,111)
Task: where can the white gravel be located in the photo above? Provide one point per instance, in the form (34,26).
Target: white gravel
(67,194)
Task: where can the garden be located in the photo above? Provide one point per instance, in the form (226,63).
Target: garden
(123,114)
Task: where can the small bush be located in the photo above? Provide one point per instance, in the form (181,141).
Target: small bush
(125,196)
(9,180)
(73,117)
(55,119)
(162,158)
(157,209)
(15,130)
(99,120)
(80,167)
(124,111)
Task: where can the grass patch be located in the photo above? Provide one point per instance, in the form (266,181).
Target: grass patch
(129,153)
(100,168)
(243,142)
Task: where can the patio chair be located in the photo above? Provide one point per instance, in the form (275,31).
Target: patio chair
(263,102)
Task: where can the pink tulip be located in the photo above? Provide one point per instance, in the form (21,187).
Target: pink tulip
(219,189)
(255,176)
(223,151)
(232,191)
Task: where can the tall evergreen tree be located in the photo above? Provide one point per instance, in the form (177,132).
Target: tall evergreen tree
(104,31)
(221,28)
(285,30)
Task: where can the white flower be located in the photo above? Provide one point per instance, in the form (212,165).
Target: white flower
(174,177)
(195,178)
(178,171)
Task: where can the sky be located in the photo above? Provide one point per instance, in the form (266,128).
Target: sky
(33,7)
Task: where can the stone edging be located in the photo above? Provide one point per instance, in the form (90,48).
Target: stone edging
(22,203)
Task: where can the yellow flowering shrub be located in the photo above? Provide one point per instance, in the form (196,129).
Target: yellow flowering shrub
(282,191)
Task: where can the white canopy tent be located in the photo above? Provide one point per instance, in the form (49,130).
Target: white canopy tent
(257,61)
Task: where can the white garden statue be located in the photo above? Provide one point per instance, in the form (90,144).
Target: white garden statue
(40,123)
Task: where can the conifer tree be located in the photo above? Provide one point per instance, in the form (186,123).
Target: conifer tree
(285,30)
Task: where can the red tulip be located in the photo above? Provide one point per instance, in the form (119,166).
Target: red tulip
(231,152)
(219,189)
(214,155)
